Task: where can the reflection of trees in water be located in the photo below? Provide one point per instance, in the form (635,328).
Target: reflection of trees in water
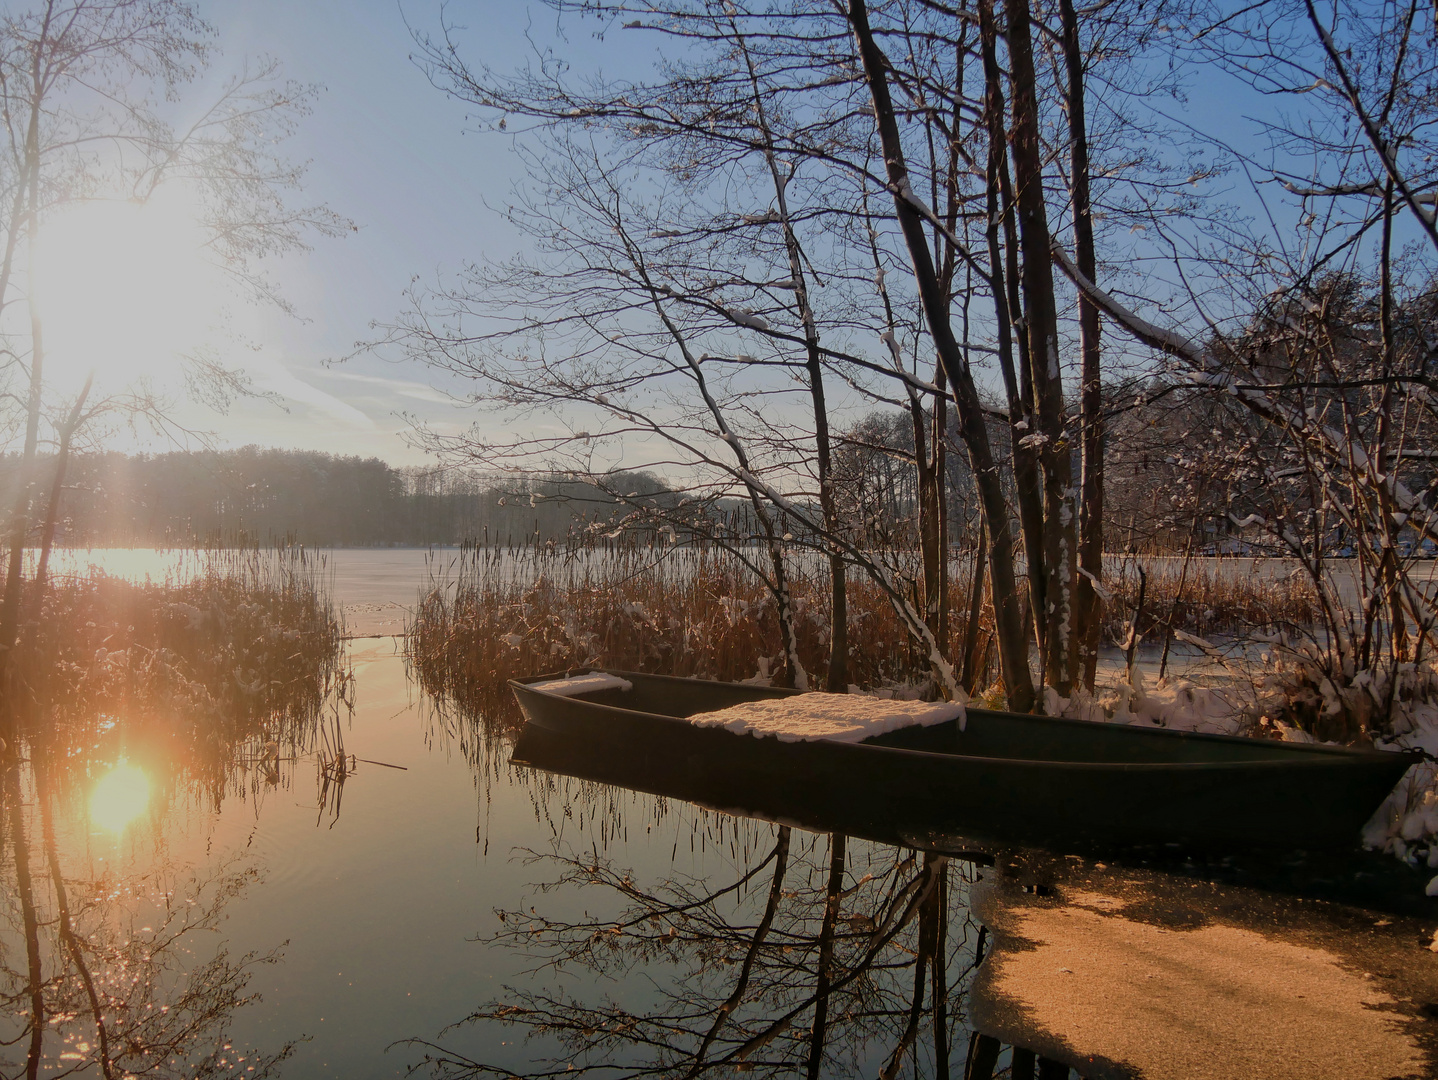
(563,804)
(114,973)
(190,679)
(814,956)
(482,742)
(197,759)
(819,955)
(213,688)
(117,973)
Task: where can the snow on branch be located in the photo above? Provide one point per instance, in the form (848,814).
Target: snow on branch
(745,317)
(1333,191)
(1155,336)
(904,190)
(1334,444)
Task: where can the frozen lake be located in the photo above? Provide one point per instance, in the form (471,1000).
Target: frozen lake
(376,588)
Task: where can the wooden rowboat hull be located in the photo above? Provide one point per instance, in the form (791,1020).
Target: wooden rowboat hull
(1008,776)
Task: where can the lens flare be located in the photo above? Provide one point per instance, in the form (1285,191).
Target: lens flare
(120,796)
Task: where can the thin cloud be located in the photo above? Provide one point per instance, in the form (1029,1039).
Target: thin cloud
(401,387)
(276,378)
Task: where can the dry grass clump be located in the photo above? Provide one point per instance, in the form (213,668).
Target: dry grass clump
(1212,597)
(248,647)
(695,612)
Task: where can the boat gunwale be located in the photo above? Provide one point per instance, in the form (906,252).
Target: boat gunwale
(1284,755)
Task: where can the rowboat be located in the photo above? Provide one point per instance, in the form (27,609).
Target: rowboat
(1010,776)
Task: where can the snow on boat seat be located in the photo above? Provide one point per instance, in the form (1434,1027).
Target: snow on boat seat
(582,684)
(836,717)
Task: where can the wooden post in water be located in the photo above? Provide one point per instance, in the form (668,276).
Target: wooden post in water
(1022,1067)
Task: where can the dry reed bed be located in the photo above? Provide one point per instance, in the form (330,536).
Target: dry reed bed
(246,649)
(506,613)
(1208,599)
(502,613)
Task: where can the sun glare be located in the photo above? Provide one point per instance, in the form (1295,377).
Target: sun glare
(120,796)
(124,290)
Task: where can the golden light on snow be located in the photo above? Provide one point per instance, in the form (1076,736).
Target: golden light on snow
(120,796)
(124,289)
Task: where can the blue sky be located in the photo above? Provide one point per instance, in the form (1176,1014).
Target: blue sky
(391,152)
(388,151)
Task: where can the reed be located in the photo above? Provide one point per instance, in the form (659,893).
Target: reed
(241,647)
(497,613)
(1215,598)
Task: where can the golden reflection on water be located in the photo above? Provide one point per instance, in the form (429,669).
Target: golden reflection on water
(119,797)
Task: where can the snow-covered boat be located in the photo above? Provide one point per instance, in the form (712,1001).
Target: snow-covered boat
(986,773)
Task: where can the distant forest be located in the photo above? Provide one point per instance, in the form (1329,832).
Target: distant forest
(312,498)
(263,494)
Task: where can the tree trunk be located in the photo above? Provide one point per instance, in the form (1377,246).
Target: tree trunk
(941,474)
(1041,321)
(52,510)
(1013,646)
(1392,584)
(837,680)
(24,493)
(930,542)
(1028,484)
(27,189)
(1088,613)
(976,601)
(938,458)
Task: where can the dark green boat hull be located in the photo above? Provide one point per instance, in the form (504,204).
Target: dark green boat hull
(1008,776)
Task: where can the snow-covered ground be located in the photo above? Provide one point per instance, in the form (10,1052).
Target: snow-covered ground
(1235,688)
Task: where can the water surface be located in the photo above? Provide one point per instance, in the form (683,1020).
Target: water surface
(444,910)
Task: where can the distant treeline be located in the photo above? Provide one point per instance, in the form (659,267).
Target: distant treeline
(313,498)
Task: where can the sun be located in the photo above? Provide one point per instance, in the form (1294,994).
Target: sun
(124,290)
(119,797)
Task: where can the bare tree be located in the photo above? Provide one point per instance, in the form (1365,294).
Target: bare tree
(76,81)
(717,125)
(1311,351)
(1012,644)
(824,109)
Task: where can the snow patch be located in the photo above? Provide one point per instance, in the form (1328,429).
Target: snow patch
(835,717)
(582,684)
(1177,704)
(746,317)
